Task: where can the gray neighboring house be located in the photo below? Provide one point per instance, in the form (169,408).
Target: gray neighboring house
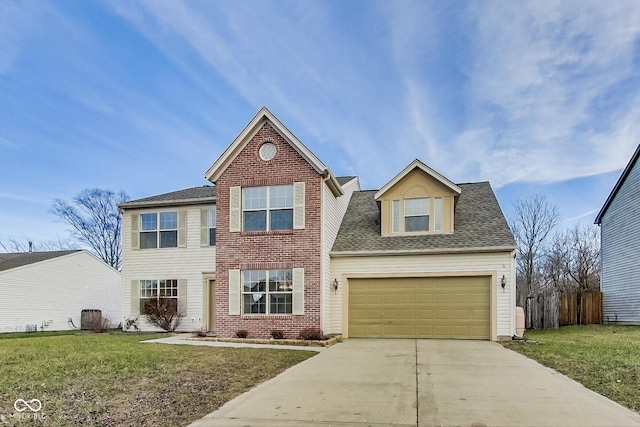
(620,247)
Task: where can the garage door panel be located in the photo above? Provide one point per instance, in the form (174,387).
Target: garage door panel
(434,307)
(424,314)
(408,314)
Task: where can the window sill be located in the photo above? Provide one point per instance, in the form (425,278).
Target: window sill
(265,316)
(267,233)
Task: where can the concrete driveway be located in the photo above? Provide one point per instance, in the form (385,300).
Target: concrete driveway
(420,383)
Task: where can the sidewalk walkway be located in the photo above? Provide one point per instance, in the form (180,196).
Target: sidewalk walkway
(186,339)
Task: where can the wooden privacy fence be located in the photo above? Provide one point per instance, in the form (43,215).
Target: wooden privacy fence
(541,311)
(580,308)
(551,309)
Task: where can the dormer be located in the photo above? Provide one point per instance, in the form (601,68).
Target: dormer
(417,201)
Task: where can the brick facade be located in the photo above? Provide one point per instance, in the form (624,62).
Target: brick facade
(269,250)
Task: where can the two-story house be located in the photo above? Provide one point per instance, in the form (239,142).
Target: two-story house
(281,243)
(620,247)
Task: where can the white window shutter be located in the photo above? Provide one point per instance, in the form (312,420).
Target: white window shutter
(234,292)
(182,229)
(235,210)
(135,233)
(182,297)
(134,310)
(298,291)
(204,227)
(298,205)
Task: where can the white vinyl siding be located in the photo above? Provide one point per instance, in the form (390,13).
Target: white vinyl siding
(620,235)
(333,210)
(58,289)
(189,263)
(500,264)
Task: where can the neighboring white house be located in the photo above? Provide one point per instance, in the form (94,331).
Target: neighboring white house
(49,290)
(620,247)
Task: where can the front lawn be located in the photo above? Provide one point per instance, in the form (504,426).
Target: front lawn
(113,380)
(605,359)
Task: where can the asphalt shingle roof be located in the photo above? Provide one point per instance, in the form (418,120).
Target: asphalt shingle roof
(19,259)
(194,195)
(478,223)
(342,180)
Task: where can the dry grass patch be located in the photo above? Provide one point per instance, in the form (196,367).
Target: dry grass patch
(605,359)
(86,379)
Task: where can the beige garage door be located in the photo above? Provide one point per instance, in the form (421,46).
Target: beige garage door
(423,307)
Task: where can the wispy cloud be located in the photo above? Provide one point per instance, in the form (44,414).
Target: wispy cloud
(541,72)
(589,214)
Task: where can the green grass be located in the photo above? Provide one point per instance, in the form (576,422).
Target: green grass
(605,359)
(112,379)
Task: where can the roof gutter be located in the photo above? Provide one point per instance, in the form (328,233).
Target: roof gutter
(159,203)
(434,251)
(332,182)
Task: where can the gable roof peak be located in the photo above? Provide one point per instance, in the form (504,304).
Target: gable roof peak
(238,144)
(417,164)
(616,187)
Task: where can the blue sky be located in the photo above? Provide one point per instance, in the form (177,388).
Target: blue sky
(535,97)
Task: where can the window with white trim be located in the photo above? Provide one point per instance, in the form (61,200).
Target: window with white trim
(154,289)
(416,214)
(267,292)
(159,230)
(267,208)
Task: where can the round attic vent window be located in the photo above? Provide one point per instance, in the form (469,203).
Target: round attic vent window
(268,151)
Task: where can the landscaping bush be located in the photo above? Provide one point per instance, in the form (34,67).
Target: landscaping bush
(163,313)
(242,333)
(311,334)
(98,322)
(277,334)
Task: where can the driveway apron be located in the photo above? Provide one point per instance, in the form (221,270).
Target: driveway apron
(405,382)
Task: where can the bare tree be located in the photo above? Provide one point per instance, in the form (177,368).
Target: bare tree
(572,261)
(95,221)
(555,264)
(28,244)
(583,260)
(533,220)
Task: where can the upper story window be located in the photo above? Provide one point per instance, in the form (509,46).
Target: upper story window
(158,230)
(208,227)
(416,215)
(267,208)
